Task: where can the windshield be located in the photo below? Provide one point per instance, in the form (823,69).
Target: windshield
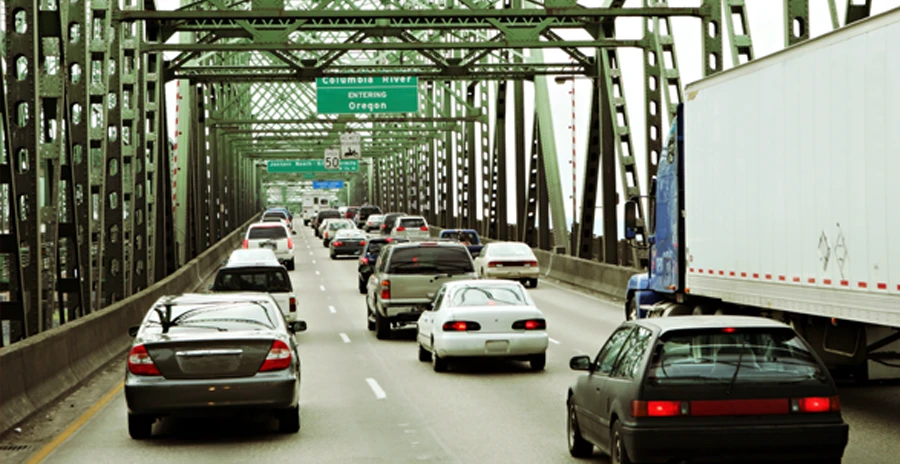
(219,315)
(257,233)
(517,250)
(376,217)
(419,259)
(253,280)
(489,295)
(713,356)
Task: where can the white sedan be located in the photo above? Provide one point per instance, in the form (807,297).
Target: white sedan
(482,318)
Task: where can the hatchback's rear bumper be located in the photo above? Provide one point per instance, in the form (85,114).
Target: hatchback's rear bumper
(748,444)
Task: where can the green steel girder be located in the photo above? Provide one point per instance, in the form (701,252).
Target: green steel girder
(381,119)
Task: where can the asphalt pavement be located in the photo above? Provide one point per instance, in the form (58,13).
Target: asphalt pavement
(370,401)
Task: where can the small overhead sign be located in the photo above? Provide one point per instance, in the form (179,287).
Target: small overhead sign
(350,146)
(328,184)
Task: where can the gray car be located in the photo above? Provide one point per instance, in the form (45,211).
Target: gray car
(347,242)
(211,354)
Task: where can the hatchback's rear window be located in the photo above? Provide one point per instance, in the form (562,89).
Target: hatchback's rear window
(415,260)
(268,232)
(253,280)
(720,355)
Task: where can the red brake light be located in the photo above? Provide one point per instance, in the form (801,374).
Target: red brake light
(140,362)
(385,289)
(492,264)
(338,243)
(425,228)
(363,260)
(279,357)
(400,228)
(388,240)
(382,226)
(292,303)
(816,404)
(533,263)
(729,330)
(246,243)
(530,324)
(658,408)
(362,243)
(290,244)
(461,326)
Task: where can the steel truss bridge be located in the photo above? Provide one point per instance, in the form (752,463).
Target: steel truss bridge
(101,197)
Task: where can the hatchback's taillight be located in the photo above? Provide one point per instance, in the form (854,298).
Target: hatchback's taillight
(461,326)
(292,305)
(385,289)
(246,243)
(530,324)
(279,357)
(337,244)
(425,228)
(816,404)
(140,362)
(659,408)
(400,228)
(532,263)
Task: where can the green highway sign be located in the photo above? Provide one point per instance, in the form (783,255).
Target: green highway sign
(308,165)
(309,175)
(365,95)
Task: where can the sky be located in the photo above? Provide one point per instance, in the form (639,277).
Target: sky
(765,19)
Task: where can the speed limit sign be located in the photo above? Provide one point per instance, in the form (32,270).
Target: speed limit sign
(332,159)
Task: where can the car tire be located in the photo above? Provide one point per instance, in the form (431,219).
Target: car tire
(332,255)
(291,264)
(538,361)
(438,363)
(362,286)
(382,328)
(289,420)
(424,355)
(617,452)
(578,446)
(325,243)
(532,283)
(140,427)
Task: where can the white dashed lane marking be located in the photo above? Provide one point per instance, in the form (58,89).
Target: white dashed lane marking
(331,309)
(554,341)
(345,338)
(379,393)
(322,287)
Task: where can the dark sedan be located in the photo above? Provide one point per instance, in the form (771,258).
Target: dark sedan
(347,242)
(211,354)
(705,389)
(370,255)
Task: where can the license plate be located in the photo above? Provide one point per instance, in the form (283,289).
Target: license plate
(496,346)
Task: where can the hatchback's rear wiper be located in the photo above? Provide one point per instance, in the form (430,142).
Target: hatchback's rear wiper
(738,367)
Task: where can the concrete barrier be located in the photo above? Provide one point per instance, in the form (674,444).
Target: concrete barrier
(40,369)
(586,274)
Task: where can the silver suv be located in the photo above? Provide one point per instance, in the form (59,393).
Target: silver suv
(405,279)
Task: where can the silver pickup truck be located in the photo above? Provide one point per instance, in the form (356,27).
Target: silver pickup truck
(405,279)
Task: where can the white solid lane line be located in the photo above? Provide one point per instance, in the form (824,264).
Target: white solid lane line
(554,341)
(345,338)
(322,287)
(331,309)
(379,393)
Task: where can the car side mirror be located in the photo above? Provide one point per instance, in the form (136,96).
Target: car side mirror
(580,363)
(297,326)
(132,331)
(630,219)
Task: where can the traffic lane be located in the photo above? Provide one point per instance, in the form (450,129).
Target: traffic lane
(873,412)
(484,410)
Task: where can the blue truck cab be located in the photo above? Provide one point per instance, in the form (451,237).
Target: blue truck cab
(665,280)
(469,237)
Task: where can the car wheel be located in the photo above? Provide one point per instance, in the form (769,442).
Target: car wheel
(325,243)
(289,420)
(578,446)
(438,363)
(532,283)
(618,454)
(382,328)
(332,255)
(140,427)
(291,264)
(538,361)
(362,286)
(424,355)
